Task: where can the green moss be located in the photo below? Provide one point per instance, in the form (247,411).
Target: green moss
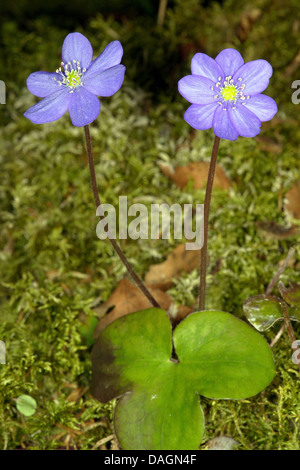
(54,268)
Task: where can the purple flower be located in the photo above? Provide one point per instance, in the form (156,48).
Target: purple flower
(226,94)
(76,83)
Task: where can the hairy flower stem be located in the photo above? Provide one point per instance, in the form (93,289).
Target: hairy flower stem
(203,256)
(115,245)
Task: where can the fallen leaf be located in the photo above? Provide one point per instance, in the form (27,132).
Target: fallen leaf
(293,200)
(127,298)
(268,144)
(278,123)
(246,23)
(179,260)
(196,171)
(273,230)
(182,312)
(77,393)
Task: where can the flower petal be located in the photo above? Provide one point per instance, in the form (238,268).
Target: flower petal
(200,116)
(105,83)
(255,75)
(244,121)
(229,60)
(50,108)
(222,126)
(84,107)
(262,106)
(196,89)
(110,57)
(205,66)
(43,83)
(77,47)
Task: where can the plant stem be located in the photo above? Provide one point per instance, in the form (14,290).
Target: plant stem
(278,335)
(281,269)
(208,192)
(115,245)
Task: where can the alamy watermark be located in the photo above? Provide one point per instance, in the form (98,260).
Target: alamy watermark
(296,94)
(152,224)
(2,92)
(2,352)
(296,353)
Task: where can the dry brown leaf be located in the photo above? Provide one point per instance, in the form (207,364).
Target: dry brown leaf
(182,312)
(179,260)
(197,171)
(268,144)
(127,298)
(293,200)
(76,394)
(246,23)
(273,230)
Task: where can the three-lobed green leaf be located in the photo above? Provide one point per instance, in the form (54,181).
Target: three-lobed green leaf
(134,358)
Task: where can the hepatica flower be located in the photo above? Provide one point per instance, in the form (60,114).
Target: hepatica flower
(77,83)
(227,94)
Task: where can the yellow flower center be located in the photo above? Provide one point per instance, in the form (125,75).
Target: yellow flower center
(73,78)
(229,92)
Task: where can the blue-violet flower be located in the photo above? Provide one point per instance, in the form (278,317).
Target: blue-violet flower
(77,83)
(226,94)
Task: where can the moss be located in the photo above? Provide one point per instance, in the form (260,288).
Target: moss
(53,267)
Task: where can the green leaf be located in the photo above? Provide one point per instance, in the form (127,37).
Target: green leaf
(129,350)
(165,415)
(87,329)
(262,311)
(218,355)
(223,356)
(294,313)
(26,405)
